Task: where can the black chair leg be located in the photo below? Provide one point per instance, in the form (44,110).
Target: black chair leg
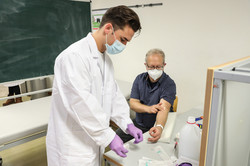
(1,161)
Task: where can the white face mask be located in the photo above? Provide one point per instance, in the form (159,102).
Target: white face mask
(155,74)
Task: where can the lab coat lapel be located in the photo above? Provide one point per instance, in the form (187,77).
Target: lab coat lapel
(108,70)
(92,46)
(94,51)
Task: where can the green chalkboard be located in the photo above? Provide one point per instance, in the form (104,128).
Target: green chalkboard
(34,32)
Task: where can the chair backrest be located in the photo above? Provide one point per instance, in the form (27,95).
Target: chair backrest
(175,104)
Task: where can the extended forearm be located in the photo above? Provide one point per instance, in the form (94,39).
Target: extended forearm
(163,114)
(162,117)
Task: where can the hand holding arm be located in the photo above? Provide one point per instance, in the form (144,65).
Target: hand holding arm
(154,108)
(136,105)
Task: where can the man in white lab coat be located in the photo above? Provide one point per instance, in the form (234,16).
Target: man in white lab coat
(86,97)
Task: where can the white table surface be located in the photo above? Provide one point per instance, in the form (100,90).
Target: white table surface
(145,148)
(26,118)
(22,119)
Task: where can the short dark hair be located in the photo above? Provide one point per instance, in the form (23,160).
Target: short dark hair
(120,16)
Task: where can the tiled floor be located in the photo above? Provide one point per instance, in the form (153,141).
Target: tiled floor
(32,153)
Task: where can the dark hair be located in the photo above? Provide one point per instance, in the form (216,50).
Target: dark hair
(120,16)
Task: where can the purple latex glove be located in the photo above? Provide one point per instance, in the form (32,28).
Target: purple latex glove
(117,146)
(135,132)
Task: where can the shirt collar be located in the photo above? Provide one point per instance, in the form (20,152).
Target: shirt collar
(93,47)
(162,77)
(159,81)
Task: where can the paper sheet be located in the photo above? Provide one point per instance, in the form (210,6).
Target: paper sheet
(151,162)
(161,152)
(168,129)
(165,159)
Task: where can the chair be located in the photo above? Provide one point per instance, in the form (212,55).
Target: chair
(175,104)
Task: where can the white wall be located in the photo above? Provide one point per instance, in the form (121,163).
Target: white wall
(194,34)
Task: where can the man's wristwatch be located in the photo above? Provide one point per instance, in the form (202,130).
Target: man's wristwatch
(160,126)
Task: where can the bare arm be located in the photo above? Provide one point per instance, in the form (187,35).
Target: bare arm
(136,105)
(162,115)
(161,119)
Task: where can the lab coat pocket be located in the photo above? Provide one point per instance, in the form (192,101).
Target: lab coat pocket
(77,142)
(80,144)
(79,160)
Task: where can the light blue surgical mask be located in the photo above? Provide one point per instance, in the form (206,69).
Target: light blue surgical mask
(116,47)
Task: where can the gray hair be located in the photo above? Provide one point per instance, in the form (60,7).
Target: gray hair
(155,51)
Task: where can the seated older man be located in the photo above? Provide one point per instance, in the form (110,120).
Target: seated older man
(152,96)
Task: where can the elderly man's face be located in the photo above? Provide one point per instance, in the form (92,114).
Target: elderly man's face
(154,61)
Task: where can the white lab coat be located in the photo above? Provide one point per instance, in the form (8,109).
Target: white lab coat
(85,98)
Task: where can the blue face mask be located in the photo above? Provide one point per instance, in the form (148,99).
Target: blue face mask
(116,47)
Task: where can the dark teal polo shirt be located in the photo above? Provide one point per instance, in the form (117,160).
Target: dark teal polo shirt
(151,94)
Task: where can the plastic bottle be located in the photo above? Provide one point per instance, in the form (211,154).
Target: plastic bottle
(190,140)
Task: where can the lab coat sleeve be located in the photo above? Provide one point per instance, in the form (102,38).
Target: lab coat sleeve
(120,109)
(75,90)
